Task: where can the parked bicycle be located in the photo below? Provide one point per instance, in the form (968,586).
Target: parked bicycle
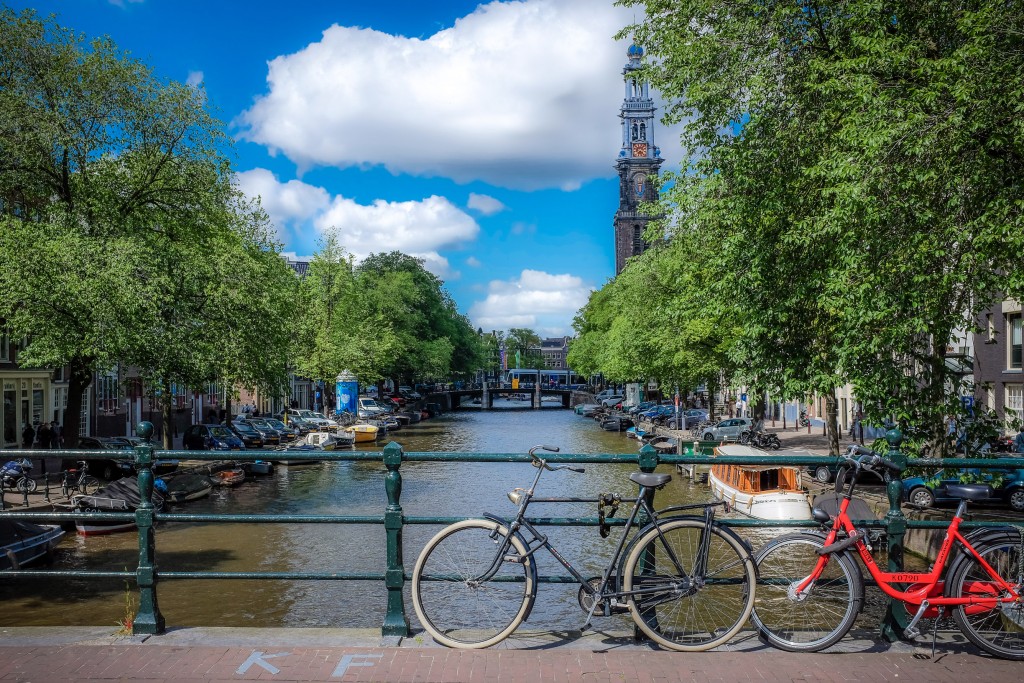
(17,474)
(78,480)
(811,589)
(687,582)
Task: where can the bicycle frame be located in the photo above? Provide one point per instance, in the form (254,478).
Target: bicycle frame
(925,590)
(601,593)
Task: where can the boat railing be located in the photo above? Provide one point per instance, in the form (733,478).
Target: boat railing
(394,572)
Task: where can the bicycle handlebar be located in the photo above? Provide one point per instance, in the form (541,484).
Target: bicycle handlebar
(540,462)
(865,457)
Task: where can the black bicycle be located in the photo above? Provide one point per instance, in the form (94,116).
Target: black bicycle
(78,480)
(687,581)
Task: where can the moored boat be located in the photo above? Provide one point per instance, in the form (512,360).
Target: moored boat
(363,433)
(762,491)
(232,477)
(117,496)
(181,488)
(23,543)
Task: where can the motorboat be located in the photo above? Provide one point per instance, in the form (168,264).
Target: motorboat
(762,491)
(363,433)
(121,495)
(330,441)
(616,423)
(181,488)
(260,467)
(23,543)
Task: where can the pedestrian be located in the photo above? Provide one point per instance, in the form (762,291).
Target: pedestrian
(55,435)
(28,435)
(1018,442)
(43,436)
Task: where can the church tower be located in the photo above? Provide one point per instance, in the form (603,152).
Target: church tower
(638,162)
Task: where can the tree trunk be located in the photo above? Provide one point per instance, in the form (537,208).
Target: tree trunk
(168,414)
(832,415)
(80,377)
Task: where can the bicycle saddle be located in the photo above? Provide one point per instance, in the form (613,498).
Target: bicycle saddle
(651,479)
(970,491)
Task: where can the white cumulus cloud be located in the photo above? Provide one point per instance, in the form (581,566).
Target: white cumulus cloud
(517,94)
(485,204)
(537,300)
(419,228)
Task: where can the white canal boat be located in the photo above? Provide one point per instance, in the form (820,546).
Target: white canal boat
(761,491)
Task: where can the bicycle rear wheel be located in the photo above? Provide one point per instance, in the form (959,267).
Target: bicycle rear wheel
(999,631)
(816,619)
(679,605)
(456,608)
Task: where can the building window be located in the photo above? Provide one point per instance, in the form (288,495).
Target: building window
(1014,400)
(106,393)
(5,348)
(1013,323)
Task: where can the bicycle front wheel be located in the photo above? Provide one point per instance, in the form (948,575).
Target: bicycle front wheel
(26,485)
(681,598)
(456,606)
(88,485)
(999,631)
(812,620)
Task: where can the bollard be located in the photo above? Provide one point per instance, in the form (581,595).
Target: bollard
(148,620)
(396,623)
(895,621)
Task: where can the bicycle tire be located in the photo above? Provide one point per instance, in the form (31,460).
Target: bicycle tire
(997,631)
(823,616)
(685,616)
(89,485)
(455,611)
(25,484)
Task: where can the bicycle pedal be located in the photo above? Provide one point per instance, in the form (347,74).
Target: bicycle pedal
(912,633)
(586,627)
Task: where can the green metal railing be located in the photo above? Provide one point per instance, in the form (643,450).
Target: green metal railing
(149,619)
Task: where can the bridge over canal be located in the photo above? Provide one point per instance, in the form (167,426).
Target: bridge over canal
(483,398)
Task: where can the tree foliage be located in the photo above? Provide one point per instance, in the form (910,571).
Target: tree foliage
(852,183)
(123,240)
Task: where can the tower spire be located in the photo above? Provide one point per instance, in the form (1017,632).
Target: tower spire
(638,161)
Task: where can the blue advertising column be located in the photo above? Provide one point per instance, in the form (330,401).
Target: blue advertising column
(347,392)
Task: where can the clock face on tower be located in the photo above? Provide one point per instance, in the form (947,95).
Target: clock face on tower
(639,149)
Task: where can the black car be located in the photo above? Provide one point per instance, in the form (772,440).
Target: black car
(271,435)
(105,468)
(211,437)
(249,435)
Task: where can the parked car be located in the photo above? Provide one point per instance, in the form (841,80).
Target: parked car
(109,469)
(314,418)
(728,429)
(1007,486)
(250,436)
(409,393)
(368,407)
(287,432)
(826,474)
(272,436)
(611,400)
(211,437)
(160,465)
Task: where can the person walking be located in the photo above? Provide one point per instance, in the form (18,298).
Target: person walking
(28,435)
(43,436)
(55,436)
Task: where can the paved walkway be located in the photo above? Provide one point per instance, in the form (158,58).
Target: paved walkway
(227,654)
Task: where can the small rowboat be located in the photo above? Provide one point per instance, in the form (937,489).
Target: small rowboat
(232,477)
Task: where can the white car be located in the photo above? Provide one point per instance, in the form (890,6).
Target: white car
(315,418)
(612,400)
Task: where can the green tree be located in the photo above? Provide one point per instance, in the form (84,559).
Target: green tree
(123,241)
(857,166)
(523,344)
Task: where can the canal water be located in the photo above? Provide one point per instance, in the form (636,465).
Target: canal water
(346,488)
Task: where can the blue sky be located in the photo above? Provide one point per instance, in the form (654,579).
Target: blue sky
(479,137)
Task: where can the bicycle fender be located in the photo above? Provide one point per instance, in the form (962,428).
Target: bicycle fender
(504,523)
(981,537)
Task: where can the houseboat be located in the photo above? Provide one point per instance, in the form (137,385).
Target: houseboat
(760,491)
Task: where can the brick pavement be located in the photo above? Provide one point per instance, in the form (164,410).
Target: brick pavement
(221,654)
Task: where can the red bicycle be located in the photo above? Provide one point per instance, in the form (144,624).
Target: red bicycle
(810,588)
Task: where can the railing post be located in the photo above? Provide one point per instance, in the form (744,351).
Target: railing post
(396,623)
(648,461)
(148,620)
(895,621)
